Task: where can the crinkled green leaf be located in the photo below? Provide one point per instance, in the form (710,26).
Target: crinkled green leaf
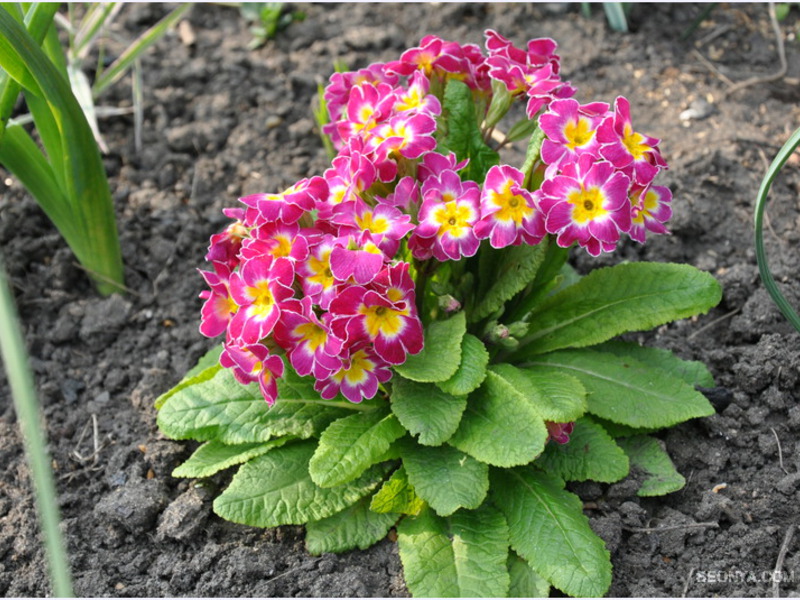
(354,527)
(648,454)
(222,409)
(557,396)
(504,273)
(692,372)
(463,132)
(445,478)
(397,496)
(589,454)
(472,370)
(626,391)
(276,489)
(548,529)
(215,456)
(613,300)
(441,356)
(460,556)
(501,426)
(426,411)
(351,444)
(525,581)
(206,367)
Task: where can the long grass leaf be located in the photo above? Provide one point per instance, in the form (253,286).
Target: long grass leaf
(144,41)
(86,185)
(615,14)
(761,202)
(97,17)
(12,349)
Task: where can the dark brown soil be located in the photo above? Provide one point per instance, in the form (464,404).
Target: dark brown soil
(222,121)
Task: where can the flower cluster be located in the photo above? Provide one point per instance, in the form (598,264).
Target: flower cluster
(321,273)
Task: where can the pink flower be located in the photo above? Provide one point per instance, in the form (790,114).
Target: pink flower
(251,363)
(358,379)
(406,135)
(317,279)
(587,203)
(571,131)
(368,105)
(406,193)
(258,288)
(349,176)
(289,205)
(626,149)
(278,240)
(225,246)
(415,98)
(432,54)
(449,211)
(358,257)
(218,307)
(310,345)
(434,164)
(337,91)
(650,210)
(558,432)
(509,215)
(386,224)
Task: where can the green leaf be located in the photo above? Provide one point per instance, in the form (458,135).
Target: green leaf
(589,454)
(205,369)
(500,426)
(472,370)
(507,271)
(648,454)
(462,556)
(276,489)
(220,408)
(532,153)
(213,457)
(692,372)
(426,411)
(351,444)
(548,529)
(463,133)
(556,396)
(446,478)
(354,527)
(626,391)
(397,496)
(613,300)
(525,581)
(441,356)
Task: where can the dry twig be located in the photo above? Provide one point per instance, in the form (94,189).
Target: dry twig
(780,452)
(709,524)
(776,577)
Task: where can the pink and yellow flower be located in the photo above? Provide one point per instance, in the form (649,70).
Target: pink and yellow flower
(415,98)
(449,211)
(276,239)
(588,203)
(509,215)
(219,307)
(358,257)
(387,225)
(358,379)
(650,210)
(251,363)
(571,130)
(224,247)
(289,205)
(406,135)
(310,346)
(626,149)
(258,288)
(348,178)
(316,277)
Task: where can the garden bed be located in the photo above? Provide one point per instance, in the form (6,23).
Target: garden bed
(222,121)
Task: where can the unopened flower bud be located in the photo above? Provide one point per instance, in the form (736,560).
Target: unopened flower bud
(449,304)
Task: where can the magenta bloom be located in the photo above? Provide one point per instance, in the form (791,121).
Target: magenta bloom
(406,193)
(434,164)
(407,135)
(508,213)
(277,239)
(386,224)
(224,247)
(337,92)
(358,257)
(571,131)
(317,279)
(587,203)
(289,205)
(559,432)
(349,176)
(254,363)
(626,149)
(650,210)
(218,307)
(415,98)
(358,379)
(393,327)
(310,345)
(432,54)
(367,106)
(258,288)
(449,211)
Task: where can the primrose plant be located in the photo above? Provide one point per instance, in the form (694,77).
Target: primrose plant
(406,345)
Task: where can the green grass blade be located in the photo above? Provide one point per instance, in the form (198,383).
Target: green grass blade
(99,15)
(761,202)
(85,184)
(615,14)
(12,349)
(147,39)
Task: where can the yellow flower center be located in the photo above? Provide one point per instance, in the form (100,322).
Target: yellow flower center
(321,269)
(311,333)
(588,205)
(578,133)
(634,142)
(513,207)
(382,319)
(452,218)
(371,224)
(262,299)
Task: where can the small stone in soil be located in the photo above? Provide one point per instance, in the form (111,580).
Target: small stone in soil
(185,515)
(134,506)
